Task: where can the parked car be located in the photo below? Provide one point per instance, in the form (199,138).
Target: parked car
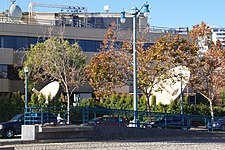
(217,125)
(175,122)
(108,121)
(13,127)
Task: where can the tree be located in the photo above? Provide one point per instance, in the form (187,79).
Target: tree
(112,67)
(208,71)
(201,35)
(56,59)
(155,62)
(109,68)
(10,105)
(222,94)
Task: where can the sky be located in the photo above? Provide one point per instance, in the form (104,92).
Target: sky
(164,13)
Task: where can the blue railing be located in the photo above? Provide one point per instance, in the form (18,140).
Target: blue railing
(43,115)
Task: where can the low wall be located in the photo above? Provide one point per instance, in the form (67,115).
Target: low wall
(64,132)
(129,132)
(75,133)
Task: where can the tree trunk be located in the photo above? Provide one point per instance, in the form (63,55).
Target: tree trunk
(148,103)
(211,110)
(68,105)
(211,105)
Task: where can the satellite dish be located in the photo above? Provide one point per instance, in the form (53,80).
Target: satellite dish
(50,89)
(15,12)
(171,88)
(106,8)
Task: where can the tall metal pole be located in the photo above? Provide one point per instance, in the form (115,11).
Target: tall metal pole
(182,98)
(135,70)
(68,111)
(26,87)
(134,13)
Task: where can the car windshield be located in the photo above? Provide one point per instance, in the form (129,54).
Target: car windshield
(221,120)
(15,118)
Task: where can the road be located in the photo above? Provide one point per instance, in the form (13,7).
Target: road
(132,144)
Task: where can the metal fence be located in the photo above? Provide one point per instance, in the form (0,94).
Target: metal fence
(82,116)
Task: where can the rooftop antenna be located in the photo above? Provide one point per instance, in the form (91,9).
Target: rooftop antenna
(106,8)
(15,12)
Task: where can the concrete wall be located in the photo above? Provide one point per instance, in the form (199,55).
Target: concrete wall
(68,32)
(44,30)
(114,132)
(108,132)
(6,56)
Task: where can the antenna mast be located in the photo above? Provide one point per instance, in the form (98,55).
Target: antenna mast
(67,8)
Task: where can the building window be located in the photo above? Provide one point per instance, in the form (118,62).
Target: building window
(13,73)
(22,43)
(220,34)
(9,42)
(89,45)
(3,71)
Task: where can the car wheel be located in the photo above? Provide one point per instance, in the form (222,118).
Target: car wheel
(185,128)
(159,127)
(223,127)
(9,133)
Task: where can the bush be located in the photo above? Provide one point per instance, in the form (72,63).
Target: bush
(10,105)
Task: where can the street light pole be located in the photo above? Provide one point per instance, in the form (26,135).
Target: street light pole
(182,97)
(134,13)
(26,87)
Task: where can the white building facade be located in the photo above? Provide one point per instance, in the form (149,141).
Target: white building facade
(219,34)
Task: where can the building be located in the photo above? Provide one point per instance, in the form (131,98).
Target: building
(219,34)
(18,30)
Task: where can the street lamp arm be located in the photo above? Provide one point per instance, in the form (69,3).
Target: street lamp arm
(135,11)
(146,5)
(146,10)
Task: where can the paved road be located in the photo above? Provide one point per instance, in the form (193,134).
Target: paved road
(141,144)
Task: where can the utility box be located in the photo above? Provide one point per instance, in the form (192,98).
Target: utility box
(29,132)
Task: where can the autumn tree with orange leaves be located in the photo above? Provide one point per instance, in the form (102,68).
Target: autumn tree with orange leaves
(109,68)
(155,62)
(112,66)
(208,71)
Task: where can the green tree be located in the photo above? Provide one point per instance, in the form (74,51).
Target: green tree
(17,103)
(33,100)
(222,95)
(56,59)
(142,103)
(10,105)
(174,107)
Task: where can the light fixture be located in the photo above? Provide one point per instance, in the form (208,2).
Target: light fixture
(122,17)
(26,70)
(146,11)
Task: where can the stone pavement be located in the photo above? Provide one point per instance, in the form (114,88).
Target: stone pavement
(206,143)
